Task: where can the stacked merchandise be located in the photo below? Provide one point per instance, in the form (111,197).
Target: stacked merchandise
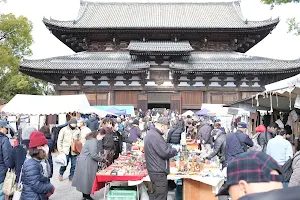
(133,164)
(192,162)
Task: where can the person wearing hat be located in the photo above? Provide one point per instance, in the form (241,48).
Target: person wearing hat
(238,142)
(251,172)
(65,139)
(5,154)
(35,184)
(157,154)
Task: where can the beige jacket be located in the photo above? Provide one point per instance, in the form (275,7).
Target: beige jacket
(65,139)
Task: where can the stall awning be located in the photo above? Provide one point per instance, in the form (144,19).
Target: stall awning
(46,105)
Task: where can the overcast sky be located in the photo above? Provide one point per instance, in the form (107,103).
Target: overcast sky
(278,45)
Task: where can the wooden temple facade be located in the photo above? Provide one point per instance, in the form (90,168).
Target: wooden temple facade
(173,55)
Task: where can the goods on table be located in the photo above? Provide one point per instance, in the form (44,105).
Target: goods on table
(192,162)
(127,165)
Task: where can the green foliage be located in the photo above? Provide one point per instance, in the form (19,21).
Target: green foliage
(13,47)
(278,1)
(294,26)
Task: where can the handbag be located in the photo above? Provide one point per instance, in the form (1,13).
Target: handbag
(9,183)
(76,146)
(19,187)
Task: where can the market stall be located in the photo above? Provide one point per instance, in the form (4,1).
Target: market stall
(201,178)
(128,167)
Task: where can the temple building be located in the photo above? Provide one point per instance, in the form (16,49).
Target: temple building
(172,55)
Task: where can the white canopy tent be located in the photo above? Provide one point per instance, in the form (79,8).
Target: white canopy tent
(281,95)
(47,105)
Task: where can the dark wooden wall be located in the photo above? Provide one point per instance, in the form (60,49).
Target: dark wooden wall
(98,99)
(191,100)
(126,98)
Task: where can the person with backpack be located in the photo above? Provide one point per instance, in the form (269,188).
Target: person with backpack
(264,137)
(254,138)
(237,142)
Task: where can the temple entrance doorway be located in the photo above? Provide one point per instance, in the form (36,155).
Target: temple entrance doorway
(159,105)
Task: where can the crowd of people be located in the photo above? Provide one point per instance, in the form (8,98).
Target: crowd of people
(266,155)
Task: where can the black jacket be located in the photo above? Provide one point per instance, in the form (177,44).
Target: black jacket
(174,135)
(108,140)
(157,153)
(290,193)
(5,156)
(18,157)
(219,148)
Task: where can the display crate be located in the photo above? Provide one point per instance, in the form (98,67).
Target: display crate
(121,195)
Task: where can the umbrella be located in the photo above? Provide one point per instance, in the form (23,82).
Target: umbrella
(202,112)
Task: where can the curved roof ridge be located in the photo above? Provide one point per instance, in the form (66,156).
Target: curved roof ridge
(171,2)
(246,56)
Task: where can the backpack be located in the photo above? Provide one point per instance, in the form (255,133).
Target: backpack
(256,145)
(287,169)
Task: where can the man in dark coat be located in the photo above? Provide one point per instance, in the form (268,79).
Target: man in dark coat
(219,146)
(174,135)
(5,154)
(158,153)
(204,133)
(238,142)
(92,123)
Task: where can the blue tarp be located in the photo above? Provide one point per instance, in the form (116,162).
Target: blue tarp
(128,109)
(116,111)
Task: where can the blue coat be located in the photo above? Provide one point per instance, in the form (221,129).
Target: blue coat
(5,156)
(234,147)
(35,184)
(92,123)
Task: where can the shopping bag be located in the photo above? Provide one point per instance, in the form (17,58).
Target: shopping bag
(61,160)
(17,193)
(9,183)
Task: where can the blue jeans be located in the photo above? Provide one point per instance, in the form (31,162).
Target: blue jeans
(2,196)
(285,184)
(73,165)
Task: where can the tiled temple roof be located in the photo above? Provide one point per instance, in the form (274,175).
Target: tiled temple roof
(234,62)
(86,62)
(187,15)
(160,46)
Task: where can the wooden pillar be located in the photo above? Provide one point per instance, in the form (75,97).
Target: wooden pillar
(111,100)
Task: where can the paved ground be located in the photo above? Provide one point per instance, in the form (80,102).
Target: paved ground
(64,189)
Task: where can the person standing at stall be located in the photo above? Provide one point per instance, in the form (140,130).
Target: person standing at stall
(157,154)
(238,142)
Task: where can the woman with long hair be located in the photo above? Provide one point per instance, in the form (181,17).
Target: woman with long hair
(87,164)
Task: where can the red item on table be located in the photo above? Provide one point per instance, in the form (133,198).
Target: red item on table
(100,180)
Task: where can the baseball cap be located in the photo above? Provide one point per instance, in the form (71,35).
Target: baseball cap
(4,124)
(163,121)
(242,125)
(252,167)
